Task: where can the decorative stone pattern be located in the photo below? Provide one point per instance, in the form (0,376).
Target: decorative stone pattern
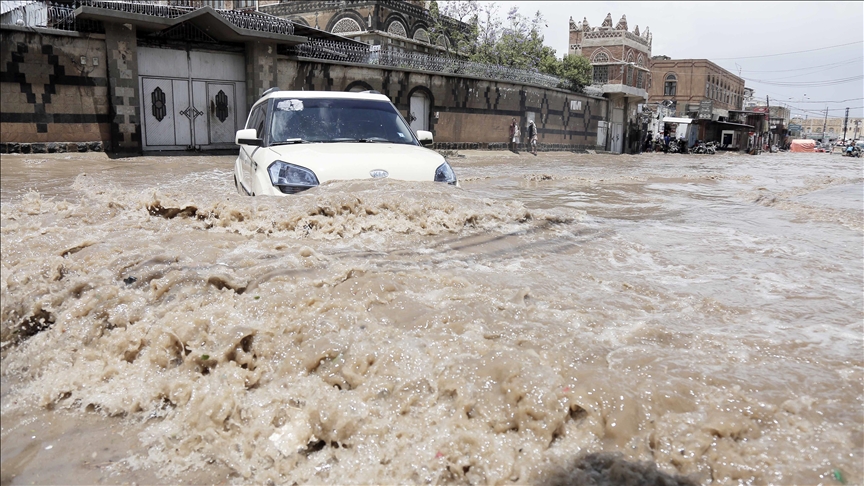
(421,35)
(346,25)
(121,45)
(47,94)
(260,70)
(620,50)
(396,28)
(469,110)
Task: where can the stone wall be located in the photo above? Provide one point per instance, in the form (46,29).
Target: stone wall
(54,88)
(463,109)
(122,52)
(64,90)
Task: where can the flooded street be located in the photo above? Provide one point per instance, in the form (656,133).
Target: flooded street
(704,313)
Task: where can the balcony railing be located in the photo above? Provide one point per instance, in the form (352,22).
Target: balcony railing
(384,56)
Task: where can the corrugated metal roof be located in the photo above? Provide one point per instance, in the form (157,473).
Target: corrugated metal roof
(672,119)
(10,5)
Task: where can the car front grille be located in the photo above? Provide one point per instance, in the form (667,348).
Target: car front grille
(292,189)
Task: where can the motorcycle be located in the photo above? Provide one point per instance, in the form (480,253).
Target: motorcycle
(852,151)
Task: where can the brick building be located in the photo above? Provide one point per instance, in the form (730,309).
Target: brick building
(705,92)
(621,62)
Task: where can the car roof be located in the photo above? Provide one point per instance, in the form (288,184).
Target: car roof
(366,95)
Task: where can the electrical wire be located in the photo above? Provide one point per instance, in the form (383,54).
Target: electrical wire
(809,84)
(855,59)
(786,53)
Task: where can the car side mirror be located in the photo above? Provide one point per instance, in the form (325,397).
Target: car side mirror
(247,136)
(424,137)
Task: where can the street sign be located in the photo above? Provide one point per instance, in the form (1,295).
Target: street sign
(795,127)
(705,107)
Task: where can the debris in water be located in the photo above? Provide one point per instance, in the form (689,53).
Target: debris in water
(838,475)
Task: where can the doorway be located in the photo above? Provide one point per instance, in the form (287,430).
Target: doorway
(418,112)
(190,99)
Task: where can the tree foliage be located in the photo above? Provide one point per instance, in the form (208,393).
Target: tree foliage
(513,41)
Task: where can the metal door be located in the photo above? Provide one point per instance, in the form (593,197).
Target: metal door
(601,134)
(190,99)
(418,114)
(617,137)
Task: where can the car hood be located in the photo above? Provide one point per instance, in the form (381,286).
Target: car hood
(353,160)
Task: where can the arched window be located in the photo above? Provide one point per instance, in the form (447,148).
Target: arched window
(600,57)
(346,25)
(443,41)
(670,87)
(640,61)
(396,28)
(421,35)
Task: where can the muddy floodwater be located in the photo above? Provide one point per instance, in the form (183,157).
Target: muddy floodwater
(697,316)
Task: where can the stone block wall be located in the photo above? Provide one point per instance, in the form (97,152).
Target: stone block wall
(462,109)
(53,88)
(121,50)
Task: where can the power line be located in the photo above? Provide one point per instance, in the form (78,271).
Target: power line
(810,73)
(808,84)
(786,53)
(857,59)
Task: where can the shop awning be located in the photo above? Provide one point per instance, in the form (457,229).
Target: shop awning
(742,125)
(672,119)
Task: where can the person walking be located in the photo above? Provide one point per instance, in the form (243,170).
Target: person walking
(514,135)
(532,136)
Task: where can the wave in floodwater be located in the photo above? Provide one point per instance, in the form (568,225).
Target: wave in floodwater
(511,331)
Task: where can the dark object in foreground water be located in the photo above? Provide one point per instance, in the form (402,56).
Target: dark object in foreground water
(608,469)
(130,280)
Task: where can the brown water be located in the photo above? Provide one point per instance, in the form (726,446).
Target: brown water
(700,313)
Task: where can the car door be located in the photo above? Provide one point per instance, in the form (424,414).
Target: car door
(247,165)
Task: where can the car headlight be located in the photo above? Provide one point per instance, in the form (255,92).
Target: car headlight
(290,178)
(444,173)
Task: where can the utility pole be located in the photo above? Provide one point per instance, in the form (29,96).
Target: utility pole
(824,125)
(845,123)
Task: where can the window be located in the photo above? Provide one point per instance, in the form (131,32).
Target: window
(629,75)
(601,74)
(336,120)
(639,79)
(256,119)
(671,86)
(346,25)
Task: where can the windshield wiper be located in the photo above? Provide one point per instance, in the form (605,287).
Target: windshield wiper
(290,141)
(361,140)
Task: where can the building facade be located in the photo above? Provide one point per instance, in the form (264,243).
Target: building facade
(814,127)
(705,92)
(406,26)
(134,77)
(621,62)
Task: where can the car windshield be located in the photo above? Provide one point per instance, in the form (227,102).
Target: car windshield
(332,120)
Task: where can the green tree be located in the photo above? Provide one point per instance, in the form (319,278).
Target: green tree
(516,41)
(575,71)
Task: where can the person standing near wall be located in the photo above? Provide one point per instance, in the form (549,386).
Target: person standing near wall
(514,135)
(532,136)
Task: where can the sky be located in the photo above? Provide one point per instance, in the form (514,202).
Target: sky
(733,34)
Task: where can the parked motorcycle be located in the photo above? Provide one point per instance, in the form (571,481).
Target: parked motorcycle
(704,148)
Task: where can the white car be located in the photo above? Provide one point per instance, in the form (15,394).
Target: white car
(296,140)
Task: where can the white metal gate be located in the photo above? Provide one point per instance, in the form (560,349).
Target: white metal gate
(418,114)
(190,99)
(617,134)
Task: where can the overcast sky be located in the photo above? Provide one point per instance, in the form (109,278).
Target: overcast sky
(731,33)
